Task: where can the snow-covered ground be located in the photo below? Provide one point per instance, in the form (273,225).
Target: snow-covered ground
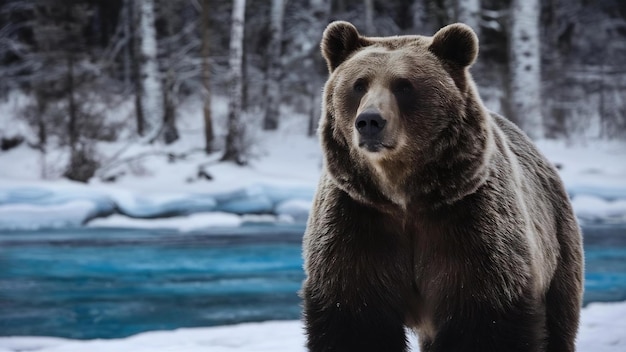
(602,329)
(279,180)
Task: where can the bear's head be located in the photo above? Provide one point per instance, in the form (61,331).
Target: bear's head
(399,114)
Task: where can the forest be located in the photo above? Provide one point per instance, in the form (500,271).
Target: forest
(557,68)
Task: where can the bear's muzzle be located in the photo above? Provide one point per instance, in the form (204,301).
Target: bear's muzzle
(370,125)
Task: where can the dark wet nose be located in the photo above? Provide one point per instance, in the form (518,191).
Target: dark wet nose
(369,124)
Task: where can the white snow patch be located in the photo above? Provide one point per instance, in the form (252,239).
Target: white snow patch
(29,216)
(603,328)
(188,223)
(597,163)
(591,208)
(296,209)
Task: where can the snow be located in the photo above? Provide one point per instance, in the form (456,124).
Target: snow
(32,217)
(33,205)
(180,223)
(602,330)
(298,210)
(594,174)
(279,182)
(594,209)
(589,165)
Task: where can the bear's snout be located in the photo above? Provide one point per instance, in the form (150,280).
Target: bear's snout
(370,124)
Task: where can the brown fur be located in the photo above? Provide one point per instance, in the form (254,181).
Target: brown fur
(456,226)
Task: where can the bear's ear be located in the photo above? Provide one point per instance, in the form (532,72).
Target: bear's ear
(340,39)
(456,43)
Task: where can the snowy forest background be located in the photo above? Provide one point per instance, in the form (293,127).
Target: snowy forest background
(555,67)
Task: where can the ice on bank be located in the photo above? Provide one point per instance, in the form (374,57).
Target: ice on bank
(39,205)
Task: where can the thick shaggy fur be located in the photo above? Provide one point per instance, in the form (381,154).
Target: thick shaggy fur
(450,222)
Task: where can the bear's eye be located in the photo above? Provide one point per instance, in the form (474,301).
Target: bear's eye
(360,86)
(402,86)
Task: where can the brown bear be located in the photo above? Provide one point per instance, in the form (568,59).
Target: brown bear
(432,213)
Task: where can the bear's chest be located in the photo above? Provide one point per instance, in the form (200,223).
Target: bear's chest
(457,265)
(390,179)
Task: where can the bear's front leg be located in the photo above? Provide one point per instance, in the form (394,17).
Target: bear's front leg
(342,326)
(359,274)
(518,327)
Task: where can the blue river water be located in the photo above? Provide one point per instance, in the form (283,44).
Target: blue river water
(107,283)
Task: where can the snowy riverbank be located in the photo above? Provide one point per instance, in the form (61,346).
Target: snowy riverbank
(280,184)
(602,330)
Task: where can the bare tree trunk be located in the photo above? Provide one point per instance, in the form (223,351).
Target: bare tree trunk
(206,78)
(136,66)
(469,12)
(72,130)
(244,81)
(126,19)
(274,71)
(321,11)
(369,17)
(42,131)
(234,139)
(82,165)
(169,131)
(314,110)
(525,67)
(420,16)
(152,87)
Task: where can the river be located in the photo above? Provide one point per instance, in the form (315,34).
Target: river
(107,283)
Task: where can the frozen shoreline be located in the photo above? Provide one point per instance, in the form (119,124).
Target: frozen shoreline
(42,205)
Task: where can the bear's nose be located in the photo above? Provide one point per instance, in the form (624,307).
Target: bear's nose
(369,123)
